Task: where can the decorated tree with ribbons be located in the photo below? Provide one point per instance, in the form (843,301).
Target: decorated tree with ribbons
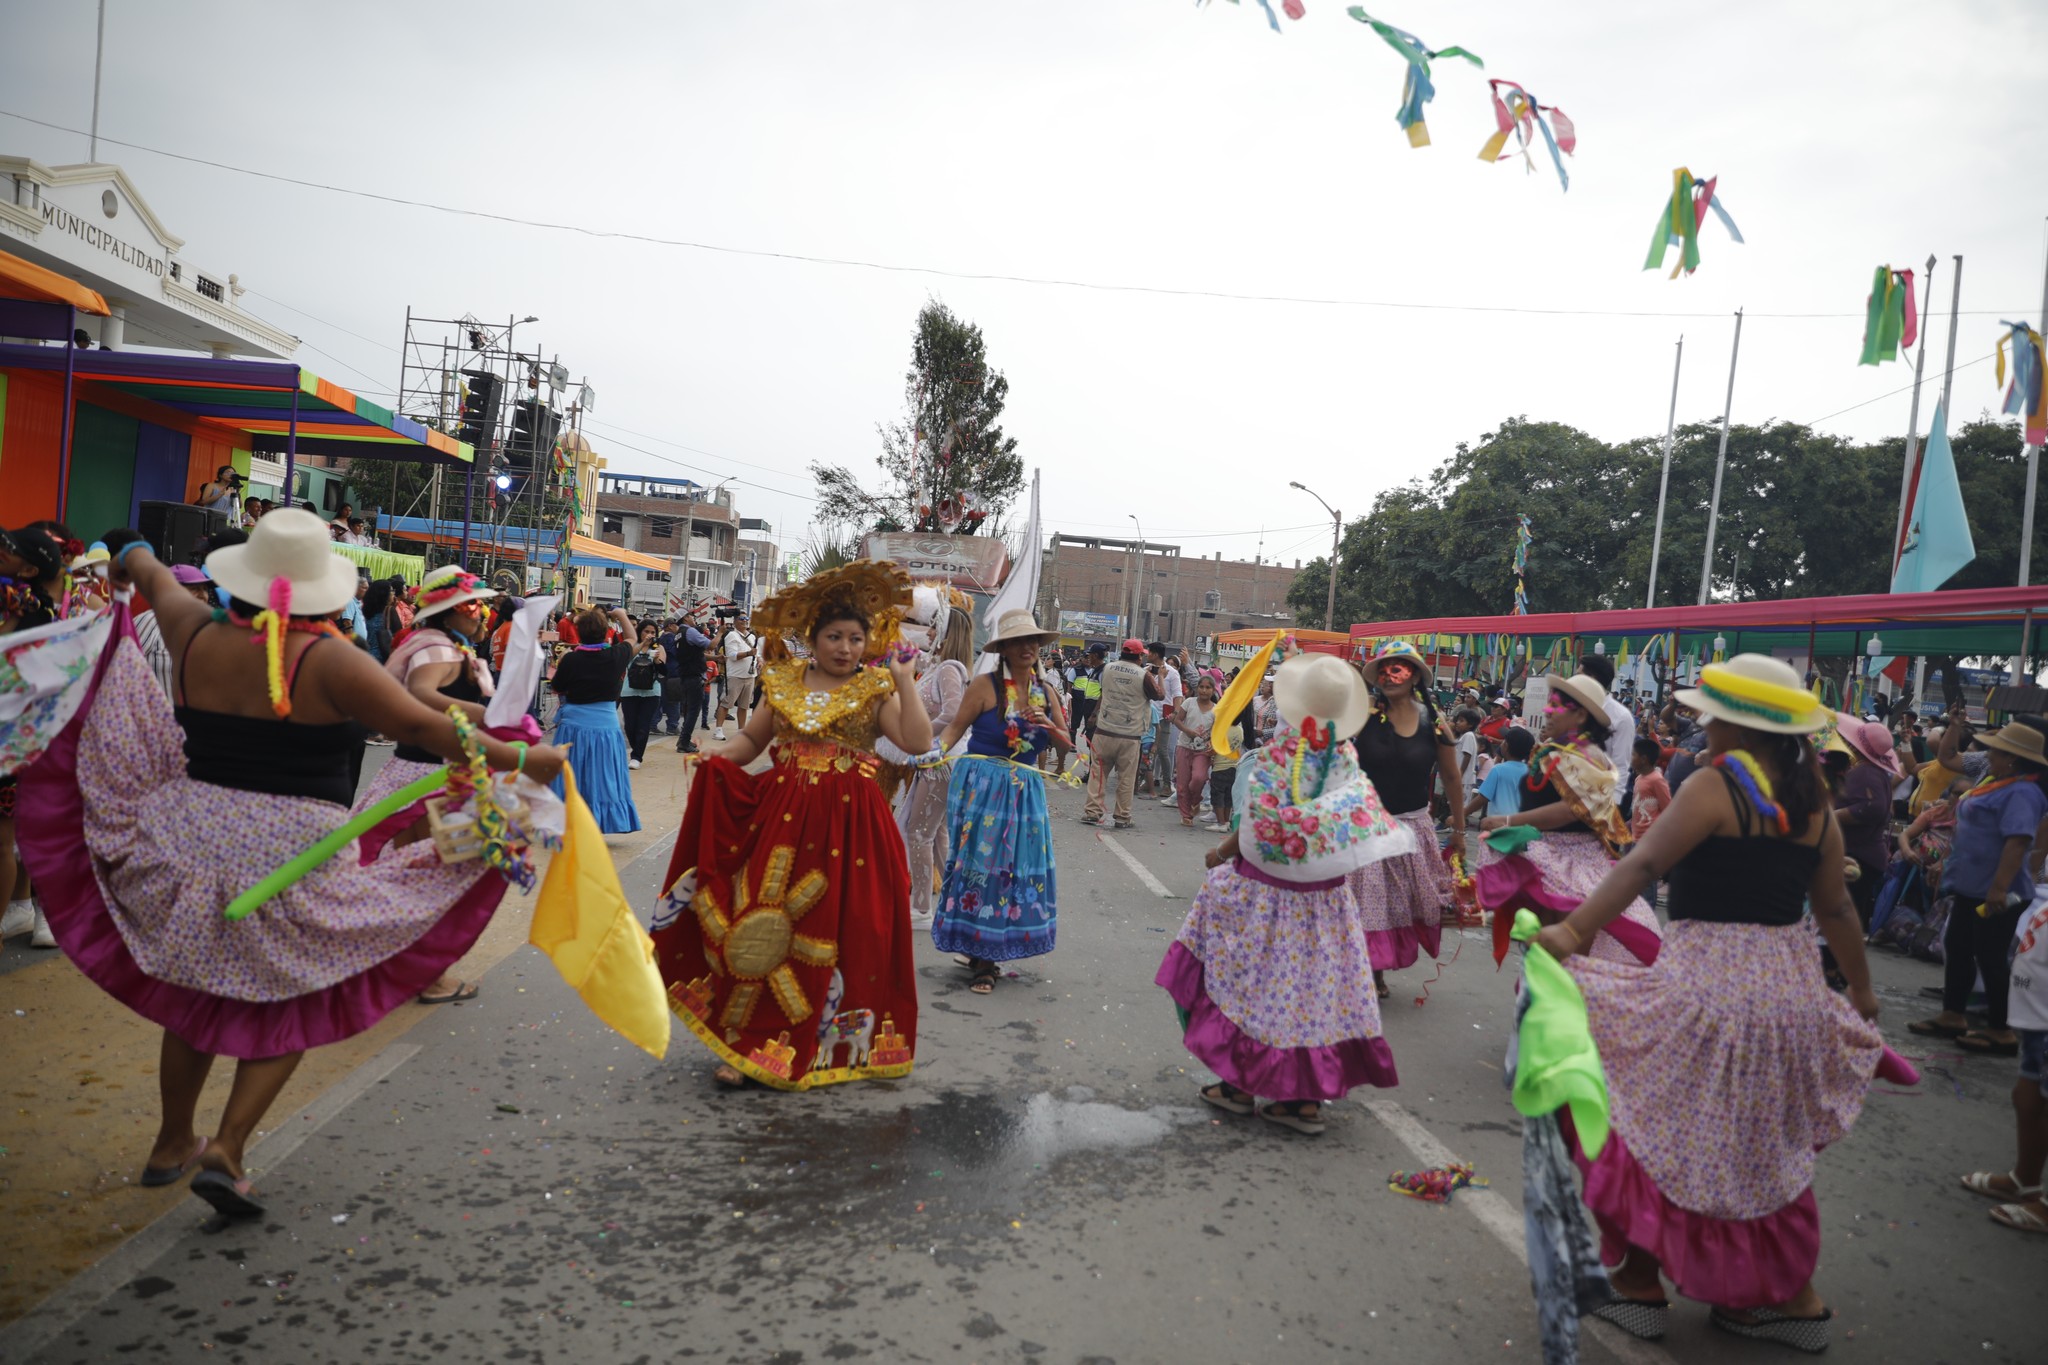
(946,464)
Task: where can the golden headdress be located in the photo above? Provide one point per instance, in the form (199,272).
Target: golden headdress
(878,589)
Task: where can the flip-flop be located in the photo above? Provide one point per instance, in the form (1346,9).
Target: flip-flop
(1931,1028)
(1984,1045)
(464,990)
(171,1175)
(229,1196)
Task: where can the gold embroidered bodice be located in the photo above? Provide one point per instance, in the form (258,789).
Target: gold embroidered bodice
(849,715)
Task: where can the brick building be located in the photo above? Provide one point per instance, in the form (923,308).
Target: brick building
(1182,600)
(640,512)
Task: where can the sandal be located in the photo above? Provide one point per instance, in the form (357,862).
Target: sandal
(984,979)
(1934,1028)
(1643,1319)
(1801,1334)
(1228,1098)
(1979,1182)
(231,1198)
(730,1078)
(464,990)
(1289,1114)
(1984,1045)
(171,1175)
(2020,1217)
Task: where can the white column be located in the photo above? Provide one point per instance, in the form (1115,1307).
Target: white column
(113,327)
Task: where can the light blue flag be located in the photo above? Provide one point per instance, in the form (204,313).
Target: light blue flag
(1938,542)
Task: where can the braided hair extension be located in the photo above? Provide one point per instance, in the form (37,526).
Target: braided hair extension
(1801,789)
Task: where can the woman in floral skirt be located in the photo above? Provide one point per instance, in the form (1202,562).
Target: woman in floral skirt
(999,902)
(1272,970)
(1729,1062)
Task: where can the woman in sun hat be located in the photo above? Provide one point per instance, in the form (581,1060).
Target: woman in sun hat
(1987,883)
(1272,970)
(1403,747)
(1729,1062)
(142,824)
(999,902)
(1570,796)
(1863,807)
(437,662)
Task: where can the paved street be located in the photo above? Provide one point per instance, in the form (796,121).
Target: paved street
(508,1181)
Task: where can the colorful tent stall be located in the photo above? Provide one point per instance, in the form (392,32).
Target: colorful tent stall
(88,435)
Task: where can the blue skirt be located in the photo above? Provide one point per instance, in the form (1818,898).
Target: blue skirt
(600,762)
(998,899)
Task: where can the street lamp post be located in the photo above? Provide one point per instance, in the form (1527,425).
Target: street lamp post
(1336,538)
(1137,579)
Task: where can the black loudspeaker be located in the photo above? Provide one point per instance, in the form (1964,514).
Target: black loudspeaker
(176,531)
(479,423)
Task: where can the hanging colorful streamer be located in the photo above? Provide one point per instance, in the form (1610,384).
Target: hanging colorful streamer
(1891,320)
(1294,9)
(2029,375)
(1523,538)
(1416,91)
(1515,114)
(1679,224)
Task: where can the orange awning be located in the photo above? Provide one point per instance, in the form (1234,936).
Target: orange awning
(21,279)
(597,549)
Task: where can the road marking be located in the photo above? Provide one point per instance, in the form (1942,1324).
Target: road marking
(1504,1221)
(1144,874)
(35,1329)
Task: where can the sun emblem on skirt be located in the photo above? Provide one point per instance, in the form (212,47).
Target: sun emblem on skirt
(757,940)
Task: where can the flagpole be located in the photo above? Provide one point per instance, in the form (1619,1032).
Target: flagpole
(1948,379)
(1913,425)
(1664,483)
(2027,516)
(1720,465)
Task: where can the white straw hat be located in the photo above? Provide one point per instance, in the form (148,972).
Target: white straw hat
(1756,692)
(1013,626)
(292,546)
(1587,691)
(1325,687)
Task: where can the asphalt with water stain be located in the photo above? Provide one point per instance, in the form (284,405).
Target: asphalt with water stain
(1045,1188)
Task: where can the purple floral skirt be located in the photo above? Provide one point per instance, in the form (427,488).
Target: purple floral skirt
(1401,900)
(1277,985)
(134,863)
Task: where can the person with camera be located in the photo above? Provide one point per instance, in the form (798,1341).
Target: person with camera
(221,492)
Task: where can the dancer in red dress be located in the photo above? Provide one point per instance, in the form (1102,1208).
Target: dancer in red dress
(785,934)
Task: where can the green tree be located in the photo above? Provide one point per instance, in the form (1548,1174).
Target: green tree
(948,443)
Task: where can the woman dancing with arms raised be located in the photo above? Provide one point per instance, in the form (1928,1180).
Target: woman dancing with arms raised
(262,766)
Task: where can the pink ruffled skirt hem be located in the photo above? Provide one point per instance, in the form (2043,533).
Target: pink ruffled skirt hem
(1281,1073)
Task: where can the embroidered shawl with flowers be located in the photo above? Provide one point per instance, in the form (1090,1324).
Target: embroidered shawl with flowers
(1310,814)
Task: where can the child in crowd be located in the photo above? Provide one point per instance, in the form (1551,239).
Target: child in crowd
(1501,792)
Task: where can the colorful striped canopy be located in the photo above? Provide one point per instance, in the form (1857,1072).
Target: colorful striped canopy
(269,405)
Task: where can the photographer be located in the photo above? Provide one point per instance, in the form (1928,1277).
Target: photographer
(220,493)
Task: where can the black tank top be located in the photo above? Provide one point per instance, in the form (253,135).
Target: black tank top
(1749,878)
(1399,769)
(464,688)
(261,754)
(1547,794)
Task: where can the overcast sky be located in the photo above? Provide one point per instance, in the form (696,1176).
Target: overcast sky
(1115,142)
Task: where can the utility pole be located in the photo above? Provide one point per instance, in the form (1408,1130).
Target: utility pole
(1336,538)
(1720,466)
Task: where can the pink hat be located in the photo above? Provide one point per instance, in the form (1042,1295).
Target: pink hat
(1872,741)
(191,575)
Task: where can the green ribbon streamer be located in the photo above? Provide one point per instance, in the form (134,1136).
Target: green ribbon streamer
(318,852)
(1885,321)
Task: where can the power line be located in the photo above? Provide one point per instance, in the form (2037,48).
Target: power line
(892,268)
(1893,394)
